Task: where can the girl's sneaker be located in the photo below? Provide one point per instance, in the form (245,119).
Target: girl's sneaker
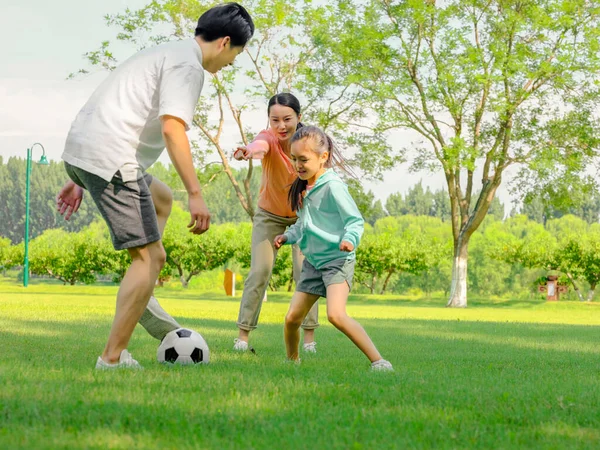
(382,366)
(126,361)
(310,347)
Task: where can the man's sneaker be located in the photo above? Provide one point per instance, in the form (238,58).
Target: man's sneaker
(310,347)
(382,366)
(126,361)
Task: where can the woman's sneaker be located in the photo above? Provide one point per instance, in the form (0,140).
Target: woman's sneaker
(126,361)
(239,345)
(242,346)
(310,347)
(382,366)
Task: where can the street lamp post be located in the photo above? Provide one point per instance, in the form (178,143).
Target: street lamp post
(42,161)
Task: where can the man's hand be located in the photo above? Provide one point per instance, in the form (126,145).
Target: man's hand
(200,216)
(279,240)
(346,246)
(68,199)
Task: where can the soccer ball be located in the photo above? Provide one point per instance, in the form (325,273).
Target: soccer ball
(183,346)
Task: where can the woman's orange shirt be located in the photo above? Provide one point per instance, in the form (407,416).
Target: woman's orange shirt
(278,174)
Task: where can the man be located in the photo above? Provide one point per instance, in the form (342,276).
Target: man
(147,103)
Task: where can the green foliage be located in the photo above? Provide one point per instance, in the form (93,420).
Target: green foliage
(6,254)
(371,209)
(191,254)
(46,181)
(217,190)
(483,86)
(70,257)
(396,246)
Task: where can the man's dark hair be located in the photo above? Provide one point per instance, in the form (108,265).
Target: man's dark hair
(229,19)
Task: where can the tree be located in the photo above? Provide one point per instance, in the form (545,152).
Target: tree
(584,253)
(554,248)
(218,192)
(70,257)
(390,250)
(486,84)
(191,254)
(6,255)
(541,209)
(46,181)
(371,209)
(281,57)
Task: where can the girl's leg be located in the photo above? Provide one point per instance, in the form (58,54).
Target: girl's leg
(299,307)
(337,296)
(311,322)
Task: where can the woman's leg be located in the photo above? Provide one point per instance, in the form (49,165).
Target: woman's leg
(337,297)
(299,307)
(264,230)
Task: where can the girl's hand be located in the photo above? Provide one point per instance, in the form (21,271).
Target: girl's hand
(241,153)
(279,241)
(346,246)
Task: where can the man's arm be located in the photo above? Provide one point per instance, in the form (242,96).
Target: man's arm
(178,147)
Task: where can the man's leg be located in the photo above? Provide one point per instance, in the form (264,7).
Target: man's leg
(155,319)
(133,295)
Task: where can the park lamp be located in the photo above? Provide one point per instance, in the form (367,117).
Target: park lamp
(43,162)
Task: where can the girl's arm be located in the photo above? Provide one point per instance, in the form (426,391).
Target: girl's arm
(354,225)
(293,233)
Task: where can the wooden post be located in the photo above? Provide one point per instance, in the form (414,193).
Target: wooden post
(552,294)
(229,283)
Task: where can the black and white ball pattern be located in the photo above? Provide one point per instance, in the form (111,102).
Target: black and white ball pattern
(183,346)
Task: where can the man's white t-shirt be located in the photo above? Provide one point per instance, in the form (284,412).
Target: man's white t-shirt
(119,128)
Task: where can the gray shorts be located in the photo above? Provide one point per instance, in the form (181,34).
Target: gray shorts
(315,281)
(126,206)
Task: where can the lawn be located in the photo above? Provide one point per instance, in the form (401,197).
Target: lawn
(502,374)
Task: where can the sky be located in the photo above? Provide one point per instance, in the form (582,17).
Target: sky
(43,42)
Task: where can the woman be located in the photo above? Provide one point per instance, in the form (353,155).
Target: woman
(273,215)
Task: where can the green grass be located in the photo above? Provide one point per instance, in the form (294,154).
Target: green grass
(498,374)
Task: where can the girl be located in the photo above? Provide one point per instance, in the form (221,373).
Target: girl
(273,215)
(328,230)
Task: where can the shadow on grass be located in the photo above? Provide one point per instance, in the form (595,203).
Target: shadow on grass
(456,385)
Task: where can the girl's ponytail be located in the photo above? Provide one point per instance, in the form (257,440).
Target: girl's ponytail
(296,193)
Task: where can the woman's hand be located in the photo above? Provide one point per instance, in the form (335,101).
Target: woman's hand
(241,153)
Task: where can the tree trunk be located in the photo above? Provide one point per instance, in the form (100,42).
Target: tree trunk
(387,279)
(458,289)
(372,287)
(590,295)
(189,277)
(577,291)
(184,282)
